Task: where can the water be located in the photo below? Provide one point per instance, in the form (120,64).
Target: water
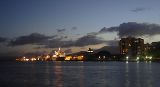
(79,74)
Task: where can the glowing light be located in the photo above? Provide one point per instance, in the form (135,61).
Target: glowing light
(137,58)
(150,57)
(80,58)
(26,59)
(68,58)
(90,51)
(127,57)
(33,59)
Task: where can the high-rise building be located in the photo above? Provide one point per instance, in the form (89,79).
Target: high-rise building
(132,47)
(147,49)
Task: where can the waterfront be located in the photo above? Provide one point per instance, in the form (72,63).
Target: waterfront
(80,74)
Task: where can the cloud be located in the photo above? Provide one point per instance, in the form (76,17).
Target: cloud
(112,42)
(2,39)
(111,29)
(123,30)
(55,43)
(134,29)
(34,38)
(80,42)
(40,39)
(88,40)
(61,30)
(68,51)
(138,9)
(74,28)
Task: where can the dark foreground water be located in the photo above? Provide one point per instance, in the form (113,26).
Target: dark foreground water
(79,74)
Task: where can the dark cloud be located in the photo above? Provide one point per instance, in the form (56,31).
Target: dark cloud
(34,38)
(112,42)
(54,43)
(61,30)
(83,41)
(138,9)
(111,29)
(43,41)
(123,30)
(134,29)
(74,28)
(2,39)
(88,40)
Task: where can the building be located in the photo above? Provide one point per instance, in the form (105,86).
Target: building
(103,55)
(147,49)
(132,47)
(59,55)
(154,50)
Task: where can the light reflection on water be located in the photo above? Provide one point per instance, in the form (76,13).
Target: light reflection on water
(80,74)
(58,74)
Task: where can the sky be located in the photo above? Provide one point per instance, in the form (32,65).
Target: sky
(39,26)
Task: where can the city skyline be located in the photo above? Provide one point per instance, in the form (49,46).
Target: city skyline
(40,26)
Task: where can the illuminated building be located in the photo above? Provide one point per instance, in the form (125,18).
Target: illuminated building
(147,49)
(67,58)
(59,55)
(47,57)
(132,47)
(90,50)
(154,50)
(80,58)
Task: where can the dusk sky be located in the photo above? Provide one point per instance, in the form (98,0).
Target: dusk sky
(37,26)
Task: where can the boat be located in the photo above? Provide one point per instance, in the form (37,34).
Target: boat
(59,55)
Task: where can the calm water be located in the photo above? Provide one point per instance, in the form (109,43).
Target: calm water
(79,74)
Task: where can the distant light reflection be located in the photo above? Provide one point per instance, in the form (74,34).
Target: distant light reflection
(81,76)
(126,75)
(47,80)
(58,74)
(137,75)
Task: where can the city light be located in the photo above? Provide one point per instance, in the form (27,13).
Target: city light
(131,49)
(26,59)
(127,57)
(67,58)
(148,57)
(137,58)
